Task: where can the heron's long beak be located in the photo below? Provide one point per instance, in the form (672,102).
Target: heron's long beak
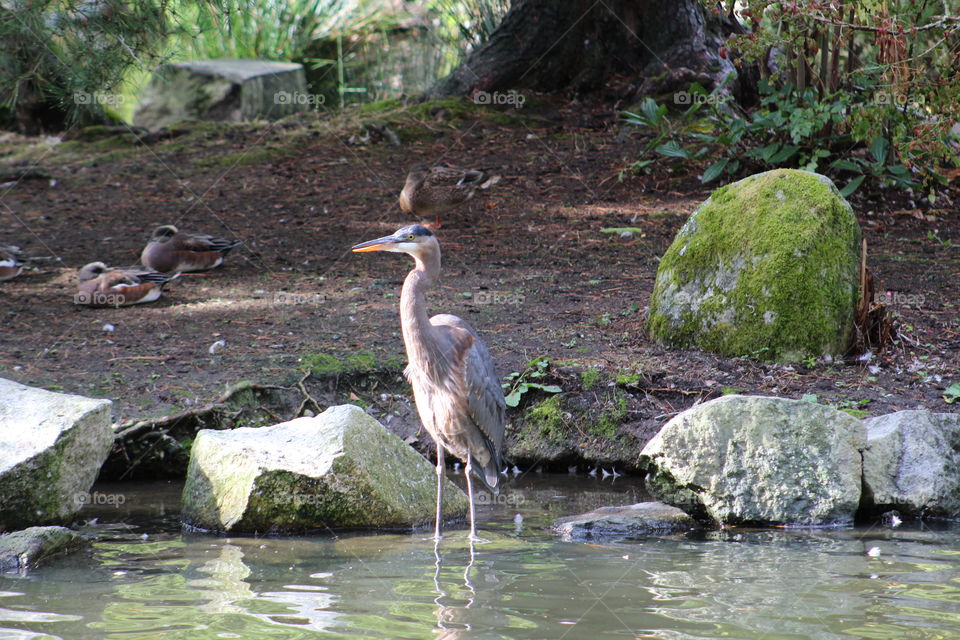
(380,244)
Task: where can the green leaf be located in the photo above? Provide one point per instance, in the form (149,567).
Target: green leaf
(636,230)
(764,153)
(640,164)
(879,148)
(714,171)
(845,165)
(705,137)
(952,393)
(549,388)
(784,154)
(512,399)
(672,150)
(809,397)
(852,186)
(652,111)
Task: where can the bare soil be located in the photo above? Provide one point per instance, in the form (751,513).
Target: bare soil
(527,263)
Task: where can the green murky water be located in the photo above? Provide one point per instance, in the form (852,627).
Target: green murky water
(145,579)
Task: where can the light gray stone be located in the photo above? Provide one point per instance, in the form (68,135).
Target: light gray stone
(628,521)
(30,547)
(340,469)
(759,460)
(52,446)
(912,463)
(766,267)
(222,90)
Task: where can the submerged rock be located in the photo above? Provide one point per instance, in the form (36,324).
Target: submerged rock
(222,90)
(629,521)
(759,460)
(767,266)
(29,547)
(51,448)
(912,464)
(340,469)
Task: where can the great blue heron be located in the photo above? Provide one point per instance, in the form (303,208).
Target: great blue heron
(456,389)
(430,191)
(170,249)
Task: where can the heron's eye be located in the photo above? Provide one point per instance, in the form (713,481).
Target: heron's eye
(410,237)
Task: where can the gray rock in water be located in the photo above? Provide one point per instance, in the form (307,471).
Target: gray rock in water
(29,547)
(758,460)
(52,446)
(340,469)
(222,90)
(912,463)
(629,521)
(767,266)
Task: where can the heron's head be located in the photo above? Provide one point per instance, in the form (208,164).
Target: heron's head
(164,233)
(91,271)
(415,240)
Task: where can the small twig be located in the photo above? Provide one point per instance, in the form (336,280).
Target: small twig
(306,396)
(668,390)
(271,414)
(862,27)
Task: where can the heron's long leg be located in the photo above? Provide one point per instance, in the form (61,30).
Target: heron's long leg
(441,476)
(468,472)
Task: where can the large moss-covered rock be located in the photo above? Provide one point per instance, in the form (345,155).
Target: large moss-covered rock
(31,547)
(51,448)
(340,469)
(912,464)
(759,460)
(222,90)
(628,521)
(767,266)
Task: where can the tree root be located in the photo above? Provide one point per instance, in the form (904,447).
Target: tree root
(127,430)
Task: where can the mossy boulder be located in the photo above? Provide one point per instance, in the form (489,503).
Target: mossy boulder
(340,469)
(52,446)
(610,524)
(766,267)
(33,546)
(759,461)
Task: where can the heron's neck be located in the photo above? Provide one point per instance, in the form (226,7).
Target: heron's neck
(418,333)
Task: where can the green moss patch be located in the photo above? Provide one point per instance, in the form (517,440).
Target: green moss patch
(359,363)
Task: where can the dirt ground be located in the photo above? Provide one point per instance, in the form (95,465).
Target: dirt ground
(527,263)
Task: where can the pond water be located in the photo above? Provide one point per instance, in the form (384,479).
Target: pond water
(145,579)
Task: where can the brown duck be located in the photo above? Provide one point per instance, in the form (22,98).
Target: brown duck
(103,286)
(10,265)
(170,250)
(431,191)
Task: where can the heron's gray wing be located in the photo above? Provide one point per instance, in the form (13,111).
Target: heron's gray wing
(484,395)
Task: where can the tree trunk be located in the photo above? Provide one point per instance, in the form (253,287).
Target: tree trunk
(654,46)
